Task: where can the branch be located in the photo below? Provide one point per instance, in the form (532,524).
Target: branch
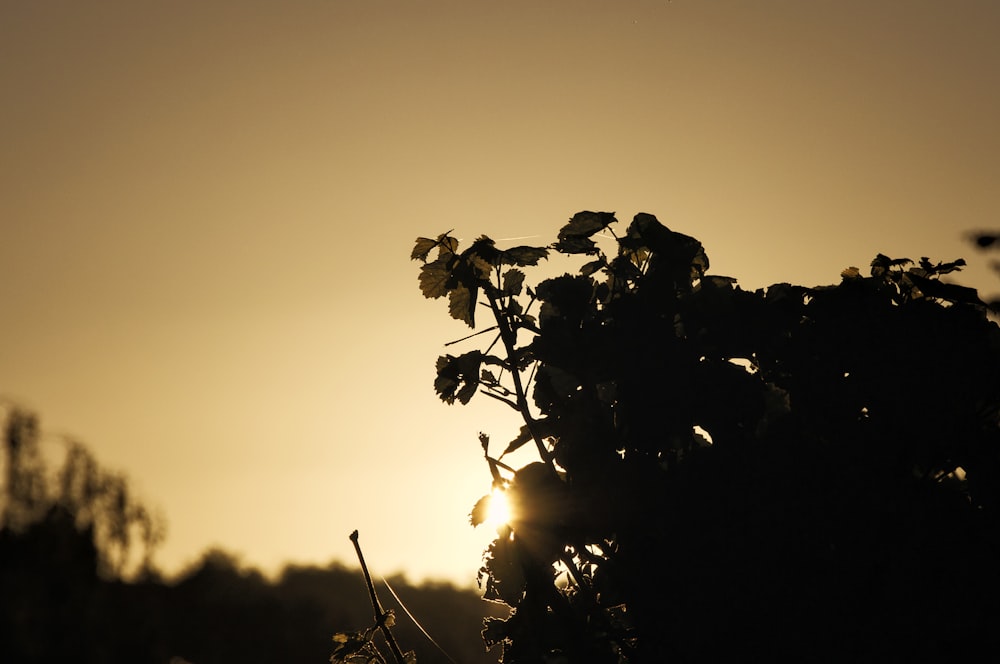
(376,605)
(467,337)
(501,399)
(509,340)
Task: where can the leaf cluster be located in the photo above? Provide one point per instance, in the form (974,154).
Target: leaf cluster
(461,277)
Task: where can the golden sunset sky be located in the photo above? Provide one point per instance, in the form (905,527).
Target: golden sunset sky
(207,209)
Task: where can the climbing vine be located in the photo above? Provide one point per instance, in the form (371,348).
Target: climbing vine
(724,473)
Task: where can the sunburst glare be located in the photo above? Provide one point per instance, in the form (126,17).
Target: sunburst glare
(498,513)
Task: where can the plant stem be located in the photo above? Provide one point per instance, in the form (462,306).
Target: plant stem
(509,340)
(376,605)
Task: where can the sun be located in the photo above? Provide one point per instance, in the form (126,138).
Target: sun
(498,513)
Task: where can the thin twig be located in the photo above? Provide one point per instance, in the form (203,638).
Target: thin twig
(474,334)
(376,605)
(501,399)
(509,340)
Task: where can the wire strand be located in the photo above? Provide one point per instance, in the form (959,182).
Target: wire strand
(416,622)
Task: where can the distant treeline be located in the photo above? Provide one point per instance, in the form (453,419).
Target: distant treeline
(63,597)
(54,607)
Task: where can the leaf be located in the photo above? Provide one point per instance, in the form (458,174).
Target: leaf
(480,511)
(942,268)
(423,247)
(644,231)
(485,249)
(882,263)
(586,223)
(567,297)
(434,278)
(445,243)
(458,377)
(494,631)
(588,269)
(449,245)
(494,360)
(523,256)
(682,255)
(513,280)
(575,245)
(504,570)
(574,237)
(624,268)
(462,305)
(944,291)
(479,267)
(352,647)
(523,437)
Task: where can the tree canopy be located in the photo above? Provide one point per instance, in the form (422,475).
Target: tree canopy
(722,475)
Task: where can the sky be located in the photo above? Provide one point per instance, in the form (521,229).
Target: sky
(207,210)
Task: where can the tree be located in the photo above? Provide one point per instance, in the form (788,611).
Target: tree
(96,501)
(724,475)
(67,537)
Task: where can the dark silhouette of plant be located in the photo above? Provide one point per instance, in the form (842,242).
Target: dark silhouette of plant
(358,646)
(794,473)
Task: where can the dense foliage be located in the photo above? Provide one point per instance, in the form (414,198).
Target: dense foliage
(794,473)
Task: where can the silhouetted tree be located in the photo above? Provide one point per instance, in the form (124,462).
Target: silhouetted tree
(800,474)
(66,537)
(98,502)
